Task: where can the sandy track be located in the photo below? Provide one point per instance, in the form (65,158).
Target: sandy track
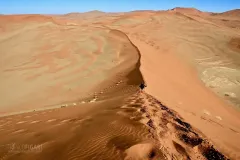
(177,138)
(201,111)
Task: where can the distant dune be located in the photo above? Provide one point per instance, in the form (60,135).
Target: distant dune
(91,14)
(231,13)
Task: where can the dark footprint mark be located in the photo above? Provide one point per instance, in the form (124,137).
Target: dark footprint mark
(135,105)
(168,110)
(180,128)
(192,141)
(163,107)
(215,122)
(154,111)
(156,154)
(234,130)
(152,105)
(150,124)
(164,122)
(129,110)
(185,132)
(152,154)
(187,125)
(212,154)
(181,150)
(143,110)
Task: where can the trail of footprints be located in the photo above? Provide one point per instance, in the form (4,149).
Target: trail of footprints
(98,96)
(176,138)
(15,124)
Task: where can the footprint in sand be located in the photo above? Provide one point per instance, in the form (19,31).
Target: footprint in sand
(209,114)
(206,112)
(219,118)
(21,122)
(82,120)
(19,131)
(66,120)
(93,100)
(51,120)
(33,122)
(133,102)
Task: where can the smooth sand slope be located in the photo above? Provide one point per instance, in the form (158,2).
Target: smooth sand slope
(87,67)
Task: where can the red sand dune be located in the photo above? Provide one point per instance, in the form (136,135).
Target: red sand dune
(87,68)
(231,13)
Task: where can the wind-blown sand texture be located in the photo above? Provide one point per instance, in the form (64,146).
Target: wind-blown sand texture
(70,84)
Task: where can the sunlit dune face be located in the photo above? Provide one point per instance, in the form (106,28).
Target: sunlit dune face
(43,59)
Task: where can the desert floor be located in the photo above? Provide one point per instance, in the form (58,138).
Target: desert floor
(69,85)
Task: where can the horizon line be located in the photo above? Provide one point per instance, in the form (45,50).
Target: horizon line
(118,11)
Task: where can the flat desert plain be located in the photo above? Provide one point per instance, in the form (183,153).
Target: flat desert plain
(69,85)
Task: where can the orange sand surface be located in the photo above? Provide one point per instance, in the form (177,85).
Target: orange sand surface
(69,85)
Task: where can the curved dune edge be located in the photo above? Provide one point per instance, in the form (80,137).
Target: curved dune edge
(193,108)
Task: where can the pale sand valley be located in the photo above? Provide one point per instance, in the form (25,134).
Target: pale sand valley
(69,84)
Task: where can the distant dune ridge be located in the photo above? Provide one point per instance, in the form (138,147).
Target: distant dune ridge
(78,74)
(231,13)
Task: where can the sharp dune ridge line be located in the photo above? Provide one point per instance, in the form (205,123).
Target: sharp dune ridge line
(69,84)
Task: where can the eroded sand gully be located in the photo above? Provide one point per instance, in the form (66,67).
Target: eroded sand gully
(86,68)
